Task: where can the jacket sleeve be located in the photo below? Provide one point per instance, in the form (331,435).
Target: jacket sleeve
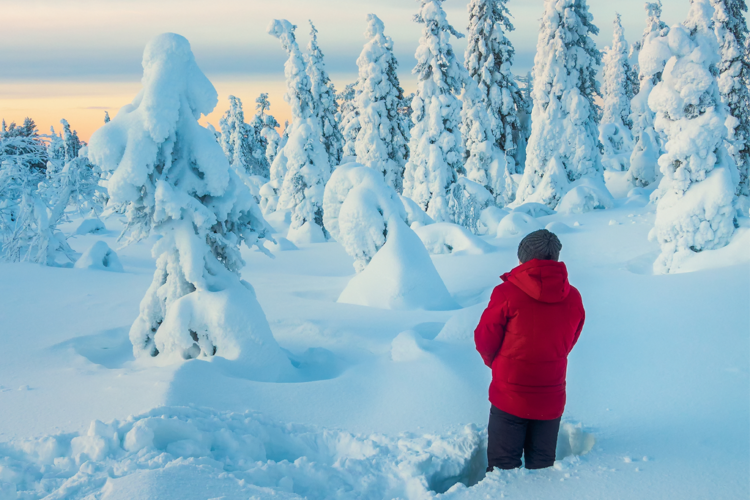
(490,332)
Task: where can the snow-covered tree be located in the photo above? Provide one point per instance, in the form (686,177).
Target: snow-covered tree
(696,195)
(72,144)
(488,59)
(734,77)
(349,124)
(564,117)
(653,52)
(301,168)
(242,143)
(525,86)
(618,88)
(27,221)
(106,117)
(176,182)
(384,135)
(325,106)
(265,126)
(435,148)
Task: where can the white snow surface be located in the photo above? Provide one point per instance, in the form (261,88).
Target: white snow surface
(657,385)
(445,237)
(99,256)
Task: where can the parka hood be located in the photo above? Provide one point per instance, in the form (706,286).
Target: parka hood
(542,280)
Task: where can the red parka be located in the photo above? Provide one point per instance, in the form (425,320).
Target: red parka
(525,335)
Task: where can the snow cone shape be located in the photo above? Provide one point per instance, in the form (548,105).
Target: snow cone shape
(563,146)
(696,196)
(300,169)
(99,256)
(174,179)
(400,276)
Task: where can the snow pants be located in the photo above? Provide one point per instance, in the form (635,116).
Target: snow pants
(511,436)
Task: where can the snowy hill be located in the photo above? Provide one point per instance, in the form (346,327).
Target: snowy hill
(659,380)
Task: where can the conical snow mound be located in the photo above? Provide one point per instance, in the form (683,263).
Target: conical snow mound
(400,276)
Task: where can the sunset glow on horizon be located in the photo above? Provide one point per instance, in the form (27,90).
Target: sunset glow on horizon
(82,57)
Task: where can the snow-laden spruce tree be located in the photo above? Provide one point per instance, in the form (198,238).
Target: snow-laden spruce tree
(488,59)
(349,125)
(618,87)
(695,197)
(265,127)
(106,117)
(653,52)
(734,81)
(564,118)
(435,148)
(325,106)
(176,182)
(301,168)
(382,141)
(242,143)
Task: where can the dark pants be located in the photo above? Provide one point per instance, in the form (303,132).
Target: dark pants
(511,436)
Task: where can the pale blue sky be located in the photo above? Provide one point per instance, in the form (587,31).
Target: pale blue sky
(103,39)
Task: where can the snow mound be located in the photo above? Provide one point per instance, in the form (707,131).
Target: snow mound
(517,224)
(356,205)
(178,452)
(400,276)
(572,440)
(307,234)
(408,346)
(99,256)
(414,213)
(93,225)
(489,220)
(281,245)
(558,228)
(735,253)
(460,327)
(534,209)
(619,184)
(445,237)
(586,195)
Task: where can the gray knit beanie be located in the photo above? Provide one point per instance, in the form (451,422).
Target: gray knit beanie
(542,245)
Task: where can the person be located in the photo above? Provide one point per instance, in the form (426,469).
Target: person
(531,324)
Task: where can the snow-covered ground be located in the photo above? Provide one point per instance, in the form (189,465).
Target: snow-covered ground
(381,403)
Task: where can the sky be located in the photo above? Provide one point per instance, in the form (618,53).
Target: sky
(74,59)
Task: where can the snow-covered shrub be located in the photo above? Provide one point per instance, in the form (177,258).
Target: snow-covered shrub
(517,224)
(382,140)
(301,168)
(619,86)
(445,237)
(99,256)
(695,198)
(176,182)
(400,276)
(414,213)
(653,53)
(564,145)
(325,106)
(489,220)
(28,223)
(466,201)
(731,29)
(435,147)
(90,225)
(586,195)
(356,206)
(488,59)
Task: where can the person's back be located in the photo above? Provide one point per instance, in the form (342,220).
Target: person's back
(532,322)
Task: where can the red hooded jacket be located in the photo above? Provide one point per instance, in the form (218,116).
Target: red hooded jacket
(525,335)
